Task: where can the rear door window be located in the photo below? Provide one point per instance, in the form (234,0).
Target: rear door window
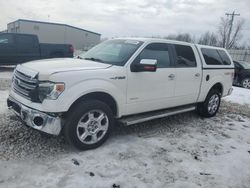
(211,56)
(184,56)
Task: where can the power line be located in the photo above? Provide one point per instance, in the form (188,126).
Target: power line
(232,14)
(231,26)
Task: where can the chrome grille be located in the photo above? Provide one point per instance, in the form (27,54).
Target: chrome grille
(24,84)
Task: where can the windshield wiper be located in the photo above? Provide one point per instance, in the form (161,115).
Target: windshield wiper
(94,59)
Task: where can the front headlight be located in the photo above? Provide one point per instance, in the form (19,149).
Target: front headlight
(50,90)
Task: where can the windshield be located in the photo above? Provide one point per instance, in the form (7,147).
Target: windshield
(246,65)
(115,52)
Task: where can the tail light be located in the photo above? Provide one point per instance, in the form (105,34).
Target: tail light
(71,49)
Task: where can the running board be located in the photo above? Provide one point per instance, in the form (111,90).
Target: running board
(139,118)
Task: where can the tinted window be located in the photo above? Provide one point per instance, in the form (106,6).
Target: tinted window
(185,56)
(6,39)
(23,39)
(157,51)
(237,65)
(211,56)
(244,64)
(224,57)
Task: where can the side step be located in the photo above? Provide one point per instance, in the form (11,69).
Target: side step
(139,118)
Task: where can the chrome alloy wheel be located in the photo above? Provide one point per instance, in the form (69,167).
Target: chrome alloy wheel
(246,83)
(213,104)
(92,127)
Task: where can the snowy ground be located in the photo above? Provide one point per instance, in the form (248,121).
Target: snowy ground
(6,72)
(240,96)
(183,151)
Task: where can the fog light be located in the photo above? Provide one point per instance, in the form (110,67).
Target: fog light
(38,121)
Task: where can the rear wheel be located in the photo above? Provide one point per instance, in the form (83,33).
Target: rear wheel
(211,105)
(88,124)
(246,83)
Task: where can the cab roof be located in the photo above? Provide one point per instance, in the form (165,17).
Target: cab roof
(145,39)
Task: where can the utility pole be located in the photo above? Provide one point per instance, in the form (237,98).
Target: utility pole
(230,26)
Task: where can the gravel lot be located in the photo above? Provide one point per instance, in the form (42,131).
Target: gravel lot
(20,142)
(180,151)
(5,77)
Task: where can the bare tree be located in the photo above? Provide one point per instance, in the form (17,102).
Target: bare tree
(208,38)
(229,34)
(181,37)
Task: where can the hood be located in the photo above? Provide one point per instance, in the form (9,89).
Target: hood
(50,66)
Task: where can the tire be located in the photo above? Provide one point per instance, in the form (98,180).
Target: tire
(246,83)
(88,124)
(211,105)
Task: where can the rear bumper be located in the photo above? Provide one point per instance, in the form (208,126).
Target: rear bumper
(36,119)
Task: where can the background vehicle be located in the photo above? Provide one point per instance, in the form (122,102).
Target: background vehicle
(242,74)
(130,80)
(19,48)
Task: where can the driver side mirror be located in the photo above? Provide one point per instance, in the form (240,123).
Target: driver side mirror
(145,65)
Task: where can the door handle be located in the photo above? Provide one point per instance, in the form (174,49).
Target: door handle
(171,76)
(197,75)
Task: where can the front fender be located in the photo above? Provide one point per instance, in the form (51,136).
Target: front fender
(71,94)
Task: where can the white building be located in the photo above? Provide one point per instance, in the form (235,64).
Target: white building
(56,33)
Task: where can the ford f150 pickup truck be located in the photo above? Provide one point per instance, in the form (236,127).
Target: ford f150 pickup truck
(126,80)
(18,48)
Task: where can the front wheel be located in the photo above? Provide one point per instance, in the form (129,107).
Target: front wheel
(211,105)
(88,124)
(246,83)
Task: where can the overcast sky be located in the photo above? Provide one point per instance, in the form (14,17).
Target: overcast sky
(114,18)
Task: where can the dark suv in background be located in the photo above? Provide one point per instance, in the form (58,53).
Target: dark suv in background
(242,74)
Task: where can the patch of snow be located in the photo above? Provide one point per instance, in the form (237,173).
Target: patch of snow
(191,156)
(239,95)
(3,105)
(6,74)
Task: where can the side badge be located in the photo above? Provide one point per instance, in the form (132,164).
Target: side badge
(118,78)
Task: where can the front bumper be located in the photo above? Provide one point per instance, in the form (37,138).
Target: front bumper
(36,119)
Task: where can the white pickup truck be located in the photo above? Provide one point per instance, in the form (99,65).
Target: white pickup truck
(130,80)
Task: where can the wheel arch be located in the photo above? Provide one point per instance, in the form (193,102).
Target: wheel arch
(101,96)
(217,86)
(206,89)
